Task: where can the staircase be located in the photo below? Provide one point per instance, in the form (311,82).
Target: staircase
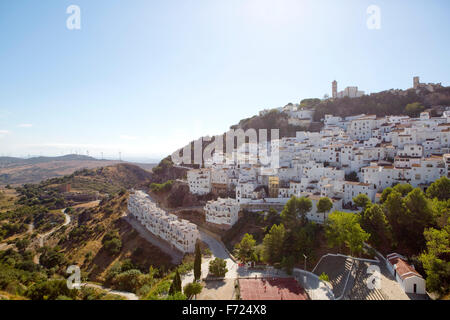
(338,269)
(360,289)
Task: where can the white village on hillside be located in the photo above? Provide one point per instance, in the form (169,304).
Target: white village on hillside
(378,151)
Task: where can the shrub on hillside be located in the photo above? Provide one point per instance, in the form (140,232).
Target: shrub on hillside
(112,243)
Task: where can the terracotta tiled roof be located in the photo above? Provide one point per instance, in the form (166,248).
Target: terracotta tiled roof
(404,270)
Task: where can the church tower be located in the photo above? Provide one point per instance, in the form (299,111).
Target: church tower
(334,89)
(416,82)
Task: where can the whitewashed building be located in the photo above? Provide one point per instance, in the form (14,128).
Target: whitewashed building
(222,212)
(353,189)
(405,274)
(199,181)
(181,234)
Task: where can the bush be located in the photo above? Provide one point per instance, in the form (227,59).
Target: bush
(218,267)
(112,243)
(113,246)
(324,277)
(162,187)
(50,290)
(130,280)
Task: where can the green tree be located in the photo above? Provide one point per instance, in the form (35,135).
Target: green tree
(176,284)
(218,267)
(112,243)
(51,257)
(435,260)
(420,216)
(294,209)
(273,244)
(22,244)
(403,188)
(324,205)
(304,206)
(273,217)
(385,194)
(440,189)
(113,246)
(130,280)
(374,221)
(343,228)
(197,262)
(396,213)
(50,290)
(414,109)
(192,289)
(361,200)
(245,249)
(352,176)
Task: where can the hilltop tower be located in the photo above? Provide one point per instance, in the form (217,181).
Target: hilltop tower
(334,89)
(416,82)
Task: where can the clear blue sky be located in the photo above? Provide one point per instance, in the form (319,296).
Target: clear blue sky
(145,77)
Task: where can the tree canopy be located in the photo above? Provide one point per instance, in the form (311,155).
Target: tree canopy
(245,250)
(218,267)
(197,262)
(440,189)
(295,209)
(361,200)
(414,109)
(273,244)
(343,229)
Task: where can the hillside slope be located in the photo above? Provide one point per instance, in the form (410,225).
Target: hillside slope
(84,185)
(17,171)
(389,102)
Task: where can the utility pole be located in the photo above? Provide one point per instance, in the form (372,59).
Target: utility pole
(305,261)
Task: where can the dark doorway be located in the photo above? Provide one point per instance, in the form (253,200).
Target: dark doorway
(415,288)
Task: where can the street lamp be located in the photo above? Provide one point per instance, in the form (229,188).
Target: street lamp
(305,260)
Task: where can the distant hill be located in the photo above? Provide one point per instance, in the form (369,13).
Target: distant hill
(16,171)
(85,185)
(12,161)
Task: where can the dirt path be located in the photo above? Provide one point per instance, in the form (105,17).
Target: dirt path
(126,295)
(45,235)
(41,237)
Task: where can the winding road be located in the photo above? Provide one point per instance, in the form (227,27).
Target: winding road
(45,235)
(42,237)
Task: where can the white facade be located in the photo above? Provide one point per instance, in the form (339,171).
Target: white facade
(353,189)
(199,181)
(181,234)
(361,129)
(406,275)
(222,211)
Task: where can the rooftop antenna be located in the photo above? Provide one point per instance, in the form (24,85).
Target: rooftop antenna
(102,155)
